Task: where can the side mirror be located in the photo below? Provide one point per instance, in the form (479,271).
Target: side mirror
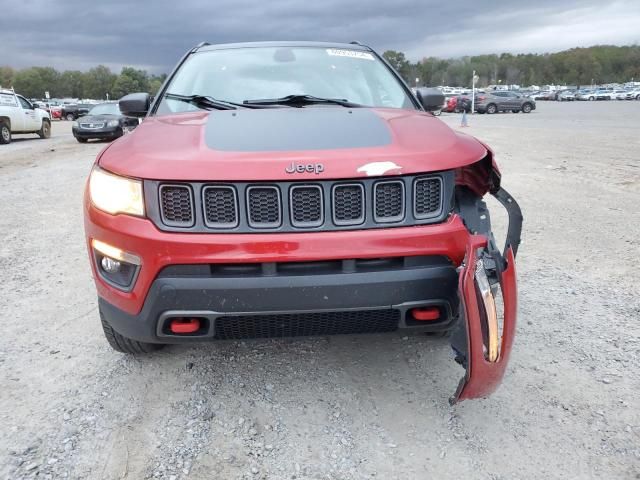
(431,99)
(135,104)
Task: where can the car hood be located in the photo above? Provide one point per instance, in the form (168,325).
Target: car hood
(289,144)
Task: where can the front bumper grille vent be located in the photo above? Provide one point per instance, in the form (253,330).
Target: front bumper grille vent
(305,324)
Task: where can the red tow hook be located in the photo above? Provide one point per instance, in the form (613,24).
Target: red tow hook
(184,325)
(425,314)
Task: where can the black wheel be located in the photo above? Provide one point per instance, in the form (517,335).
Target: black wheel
(437,112)
(5,133)
(45,129)
(124,344)
(591,99)
(638,97)
(515,111)
(492,108)
(81,140)
(526,108)
(70,116)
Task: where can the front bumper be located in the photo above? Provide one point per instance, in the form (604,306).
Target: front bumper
(107,132)
(447,280)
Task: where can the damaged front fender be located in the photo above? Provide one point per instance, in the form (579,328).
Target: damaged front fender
(484,339)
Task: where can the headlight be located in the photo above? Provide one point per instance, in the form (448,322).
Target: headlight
(113,123)
(115,194)
(74,124)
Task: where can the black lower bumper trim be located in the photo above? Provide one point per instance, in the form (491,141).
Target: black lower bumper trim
(236,306)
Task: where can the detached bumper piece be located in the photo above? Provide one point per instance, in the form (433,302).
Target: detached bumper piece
(484,339)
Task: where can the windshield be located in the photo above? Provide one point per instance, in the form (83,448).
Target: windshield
(106,109)
(241,74)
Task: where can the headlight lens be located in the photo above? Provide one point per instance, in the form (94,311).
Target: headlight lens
(113,123)
(114,194)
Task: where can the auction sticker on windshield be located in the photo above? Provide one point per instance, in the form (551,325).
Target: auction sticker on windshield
(336,52)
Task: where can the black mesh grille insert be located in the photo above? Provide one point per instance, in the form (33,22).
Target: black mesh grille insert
(348,204)
(176,205)
(306,206)
(264,206)
(427,196)
(389,201)
(220,208)
(303,324)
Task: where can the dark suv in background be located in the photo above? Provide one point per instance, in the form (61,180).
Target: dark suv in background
(504,101)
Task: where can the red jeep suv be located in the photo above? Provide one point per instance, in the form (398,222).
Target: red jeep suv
(292,188)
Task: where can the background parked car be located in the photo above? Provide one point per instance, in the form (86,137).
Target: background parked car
(504,101)
(73,112)
(105,122)
(602,94)
(566,96)
(458,104)
(633,94)
(53,110)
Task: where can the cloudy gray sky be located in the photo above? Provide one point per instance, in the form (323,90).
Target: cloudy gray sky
(79,34)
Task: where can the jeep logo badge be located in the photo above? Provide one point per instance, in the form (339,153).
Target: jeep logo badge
(316,168)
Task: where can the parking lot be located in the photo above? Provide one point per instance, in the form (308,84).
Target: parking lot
(350,407)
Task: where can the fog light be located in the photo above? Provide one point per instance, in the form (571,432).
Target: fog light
(110,265)
(115,266)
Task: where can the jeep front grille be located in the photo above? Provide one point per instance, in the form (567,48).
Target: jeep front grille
(300,206)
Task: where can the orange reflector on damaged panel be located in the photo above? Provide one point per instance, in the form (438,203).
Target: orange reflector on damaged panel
(425,314)
(184,325)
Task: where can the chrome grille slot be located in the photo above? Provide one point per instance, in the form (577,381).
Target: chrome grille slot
(348,204)
(427,194)
(220,205)
(306,206)
(264,206)
(388,201)
(176,205)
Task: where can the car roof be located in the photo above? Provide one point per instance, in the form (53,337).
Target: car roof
(227,46)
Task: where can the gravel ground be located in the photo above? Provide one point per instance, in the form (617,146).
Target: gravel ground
(341,408)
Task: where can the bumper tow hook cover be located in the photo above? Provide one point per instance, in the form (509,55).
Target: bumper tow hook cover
(184,325)
(426,314)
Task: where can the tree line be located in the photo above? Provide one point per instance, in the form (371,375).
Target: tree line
(600,64)
(577,66)
(97,83)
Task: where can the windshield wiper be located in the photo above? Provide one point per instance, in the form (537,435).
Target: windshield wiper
(300,101)
(204,101)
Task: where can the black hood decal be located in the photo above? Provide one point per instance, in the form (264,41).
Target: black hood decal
(295,129)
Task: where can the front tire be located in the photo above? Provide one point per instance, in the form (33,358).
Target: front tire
(124,344)
(81,140)
(526,108)
(70,117)
(45,129)
(5,133)
(492,108)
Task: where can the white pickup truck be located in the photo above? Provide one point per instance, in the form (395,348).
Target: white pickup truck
(18,115)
